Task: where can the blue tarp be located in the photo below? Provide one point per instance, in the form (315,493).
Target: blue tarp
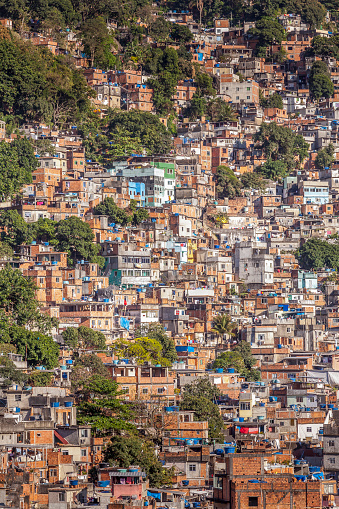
(157,496)
(124,322)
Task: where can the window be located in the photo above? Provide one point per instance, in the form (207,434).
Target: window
(192,467)
(331,460)
(84,433)
(83,452)
(53,472)
(252,501)
(161,390)
(17,397)
(300,399)
(331,443)
(65,453)
(328,489)
(145,391)
(245,406)
(308,429)
(62,497)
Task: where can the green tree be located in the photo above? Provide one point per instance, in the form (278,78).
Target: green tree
(9,374)
(273,170)
(321,86)
(227,184)
(95,36)
(181,33)
(326,46)
(126,451)
(40,379)
(202,387)
(109,208)
(15,230)
(204,84)
(17,162)
(221,111)
(273,101)
(156,331)
(17,297)
(317,254)
(280,143)
(36,85)
(75,237)
(44,146)
(244,349)
(320,83)
(44,230)
(314,13)
(101,407)
(141,350)
(84,337)
(85,367)
(251,180)
(230,360)
(268,31)
(325,157)
(160,29)
(198,397)
(139,216)
(223,325)
(153,135)
(39,349)
(196,108)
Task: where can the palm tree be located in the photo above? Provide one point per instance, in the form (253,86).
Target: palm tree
(223,325)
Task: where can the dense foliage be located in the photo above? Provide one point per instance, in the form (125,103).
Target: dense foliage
(119,216)
(72,235)
(84,337)
(281,144)
(141,350)
(200,397)
(317,254)
(156,331)
(19,310)
(124,451)
(36,85)
(241,359)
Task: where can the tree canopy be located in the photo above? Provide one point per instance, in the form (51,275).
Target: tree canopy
(280,143)
(227,184)
(126,451)
(76,237)
(84,337)
(141,350)
(241,359)
(17,162)
(36,85)
(101,407)
(320,83)
(325,157)
(199,396)
(317,254)
(156,331)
